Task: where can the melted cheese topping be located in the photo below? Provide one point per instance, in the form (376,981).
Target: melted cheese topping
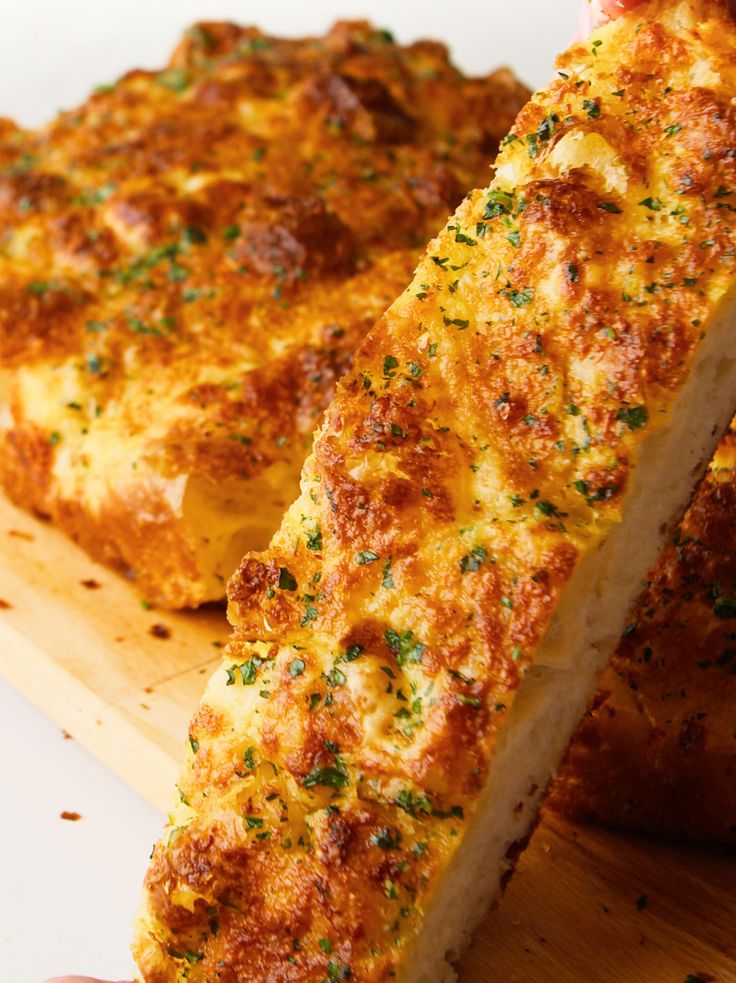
(187,263)
(412,653)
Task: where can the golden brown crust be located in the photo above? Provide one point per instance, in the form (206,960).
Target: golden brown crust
(480,448)
(658,750)
(188,261)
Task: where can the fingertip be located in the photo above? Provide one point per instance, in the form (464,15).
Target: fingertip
(80,979)
(594,13)
(586,23)
(613,8)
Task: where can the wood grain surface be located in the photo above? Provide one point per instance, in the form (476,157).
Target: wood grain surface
(586,905)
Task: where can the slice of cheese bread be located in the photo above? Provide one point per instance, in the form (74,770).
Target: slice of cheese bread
(658,750)
(187,263)
(493,481)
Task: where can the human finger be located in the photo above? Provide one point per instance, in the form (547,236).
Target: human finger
(593,13)
(612,8)
(80,979)
(597,12)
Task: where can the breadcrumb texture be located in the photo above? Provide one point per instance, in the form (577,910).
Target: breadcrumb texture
(657,752)
(187,263)
(476,456)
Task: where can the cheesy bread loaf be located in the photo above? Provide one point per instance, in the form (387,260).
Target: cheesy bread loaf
(657,751)
(187,263)
(493,480)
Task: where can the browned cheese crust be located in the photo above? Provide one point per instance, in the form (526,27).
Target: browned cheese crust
(658,750)
(480,448)
(187,263)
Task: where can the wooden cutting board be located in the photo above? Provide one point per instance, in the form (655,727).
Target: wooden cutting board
(586,905)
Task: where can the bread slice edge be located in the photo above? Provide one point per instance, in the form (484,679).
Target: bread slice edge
(575,651)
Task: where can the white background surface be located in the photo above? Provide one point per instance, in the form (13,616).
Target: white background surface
(53,51)
(68,891)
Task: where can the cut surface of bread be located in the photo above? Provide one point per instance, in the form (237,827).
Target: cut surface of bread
(657,751)
(492,482)
(187,263)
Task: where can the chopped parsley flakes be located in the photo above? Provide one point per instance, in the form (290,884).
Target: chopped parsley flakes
(287,580)
(473,560)
(406,648)
(328,777)
(635,417)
